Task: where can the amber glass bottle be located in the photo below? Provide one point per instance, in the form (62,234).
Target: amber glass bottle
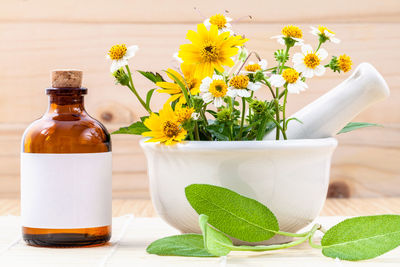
(66,171)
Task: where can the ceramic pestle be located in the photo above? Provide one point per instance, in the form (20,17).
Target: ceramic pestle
(327,115)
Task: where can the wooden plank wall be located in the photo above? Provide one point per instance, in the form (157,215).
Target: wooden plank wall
(39,35)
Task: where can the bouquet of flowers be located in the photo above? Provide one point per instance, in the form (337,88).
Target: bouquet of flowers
(212,95)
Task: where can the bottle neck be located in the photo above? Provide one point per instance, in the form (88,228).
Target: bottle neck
(66,101)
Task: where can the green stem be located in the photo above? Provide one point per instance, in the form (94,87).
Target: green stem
(132,88)
(196,131)
(275,247)
(242,119)
(277,115)
(284,114)
(282,64)
(319,46)
(270,88)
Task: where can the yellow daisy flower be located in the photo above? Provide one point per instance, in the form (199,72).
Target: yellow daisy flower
(210,50)
(174,89)
(345,63)
(165,127)
(183,113)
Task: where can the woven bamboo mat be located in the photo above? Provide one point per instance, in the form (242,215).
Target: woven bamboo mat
(131,236)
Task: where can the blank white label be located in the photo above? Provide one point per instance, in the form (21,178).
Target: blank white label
(66,191)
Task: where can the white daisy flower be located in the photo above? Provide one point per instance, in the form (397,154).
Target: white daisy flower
(325,32)
(177,58)
(119,55)
(253,67)
(309,62)
(214,89)
(290,31)
(221,21)
(240,85)
(290,76)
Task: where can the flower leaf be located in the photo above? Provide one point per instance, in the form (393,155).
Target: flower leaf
(188,245)
(148,97)
(182,86)
(351,126)
(215,242)
(154,77)
(362,238)
(233,214)
(136,128)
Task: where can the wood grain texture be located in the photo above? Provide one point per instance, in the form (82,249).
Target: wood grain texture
(37,36)
(178,11)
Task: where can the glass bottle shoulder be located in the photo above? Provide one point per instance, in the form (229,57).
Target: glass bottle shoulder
(66,133)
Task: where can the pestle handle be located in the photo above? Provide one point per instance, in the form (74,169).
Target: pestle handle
(327,115)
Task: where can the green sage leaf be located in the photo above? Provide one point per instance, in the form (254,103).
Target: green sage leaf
(136,128)
(233,214)
(215,242)
(362,238)
(188,245)
(351,126)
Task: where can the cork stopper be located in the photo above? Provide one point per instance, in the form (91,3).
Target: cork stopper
(67,78)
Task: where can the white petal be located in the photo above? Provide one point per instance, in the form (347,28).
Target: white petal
(306,49)
(228,25)
(263,64)
(281,41)
(319,70)
(322,53)
(303,85)
(314,31)
(117,64)
(131,51)
(176,57)
(335,40)
(243,93)
(231,92)
(207,23)
(253,86)
(328,34)
(308,73)
(298,58)
(300,67)
(251,62)
(218,102)
(217,77)
(276,80)
(207,97)
(205,84)
(228,19)
(293,88)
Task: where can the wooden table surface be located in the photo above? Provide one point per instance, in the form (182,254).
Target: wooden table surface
(333,207)
(132,234)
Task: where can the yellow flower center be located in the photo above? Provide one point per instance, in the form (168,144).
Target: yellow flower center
(290,75)
(239,81)
(184,114)
(117,51)
(253,67)
(345,63)
(322,29)
(171,129)
(218,20)
(209,53)
(218,88)
(292,31)
(311,60)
